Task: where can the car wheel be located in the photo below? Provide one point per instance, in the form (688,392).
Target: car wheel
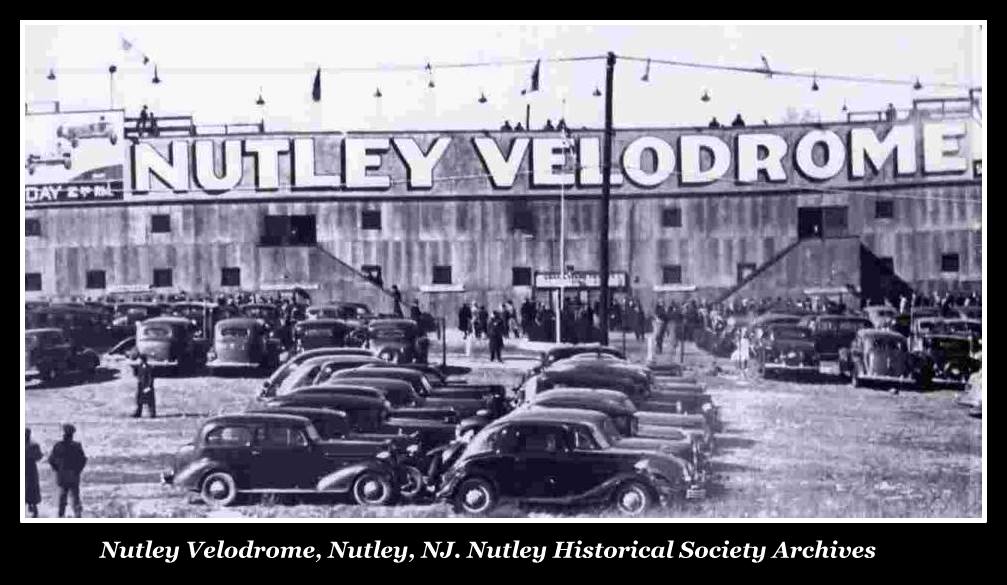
(372,489)
(412,482)
(633,498)
(219,489)
(475,496)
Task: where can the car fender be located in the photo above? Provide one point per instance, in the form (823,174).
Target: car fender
(342,479)
(192,474)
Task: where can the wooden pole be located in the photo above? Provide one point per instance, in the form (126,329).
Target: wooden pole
(606,196)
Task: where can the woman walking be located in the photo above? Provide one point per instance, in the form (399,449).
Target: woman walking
(32,455)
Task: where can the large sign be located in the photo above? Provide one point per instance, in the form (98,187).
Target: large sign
(487,164)
(578,280)
(74,157)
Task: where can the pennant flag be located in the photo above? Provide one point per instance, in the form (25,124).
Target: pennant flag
(534,76)
(316,88)
(126,45)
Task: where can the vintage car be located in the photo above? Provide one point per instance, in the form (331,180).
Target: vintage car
(202,315)
(972,312)
(370,414)
(637,390)
(322,332)
(398,340)
(128,314)
(949,357)
(358,313)
(62,159)
(972,396)
(833,334)
(242,342)
(83,325)
(307,373)
(880,316)
(771,318)
(971,328)
(782,347)
(882,355)
(400,405)
(561,352)
(50,355)
(427,384)
(270,384)
(262,453)
(563,456)
(99,129)
(465,401)
(170,342)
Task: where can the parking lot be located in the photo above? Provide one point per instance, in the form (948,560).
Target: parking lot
(788,449)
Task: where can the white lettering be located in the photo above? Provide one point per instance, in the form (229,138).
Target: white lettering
(941,139)
(206,176)
(503,171)
(420,166)
(267,161)
(148,161)
(632,161)
(865,146)
(303,174)
(749,163)
(835,154)
(358,159)
(547,156)
(690,149)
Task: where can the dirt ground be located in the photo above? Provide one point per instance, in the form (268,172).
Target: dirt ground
(789,449)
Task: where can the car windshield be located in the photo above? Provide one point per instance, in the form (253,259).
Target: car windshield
(259,312)
(155,332)
(606,433)
(388,333)
(886,343)
(312,432)
(234,332)
(790,332)
(319,331)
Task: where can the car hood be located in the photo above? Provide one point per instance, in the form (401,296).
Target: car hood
(681,447)
(793,345)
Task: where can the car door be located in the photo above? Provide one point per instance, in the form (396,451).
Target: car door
(541,461)
(281,457)
(230,447)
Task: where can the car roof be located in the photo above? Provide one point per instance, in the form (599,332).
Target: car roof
(392,322)
(323,399)
(367,380)
(305,411)
(342,359)
(590,393)
(167,320)
(555,415)
(324,388)
(880,333)
(258,417)
(321,322)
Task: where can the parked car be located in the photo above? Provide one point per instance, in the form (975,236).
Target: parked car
(128,314)
(170,342)
(971,328)
(369,414)
(99,129)
(783,347)
(50,355)
(399,405)
(242,342)
(269,314)
(467,401)
(398,340)
(949,357)
(203,315)
(82,324)
(321,332)
(880,316)
(637,390)
(561,352)
(261,453)
(310,371)
(833,334)
(359,313)
(563,456)
(882,355)
(270,384)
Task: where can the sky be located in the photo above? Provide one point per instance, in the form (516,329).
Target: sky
(215,71)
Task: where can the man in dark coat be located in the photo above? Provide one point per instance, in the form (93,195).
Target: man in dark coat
(396,301)
(465,320)
(496,329)
(145,389)
(482,321)
(32,455)
(414,311)
(67,461)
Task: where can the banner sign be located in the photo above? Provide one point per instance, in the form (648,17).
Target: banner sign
(586,279)
(419,165)
(74,157)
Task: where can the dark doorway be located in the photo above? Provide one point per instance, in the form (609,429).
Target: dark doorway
(809,222)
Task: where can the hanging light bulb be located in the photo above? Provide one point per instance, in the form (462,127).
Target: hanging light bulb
(51,76)
(377,92)
(705,97)
(597,92)
(430,74)
(260,101)
(845,109)
(146,59)
(430,83)
(646,73)
(112,69)
(814,83)
(156,79)
(482,97)
(917,86)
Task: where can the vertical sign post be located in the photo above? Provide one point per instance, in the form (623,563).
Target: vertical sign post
(606,196)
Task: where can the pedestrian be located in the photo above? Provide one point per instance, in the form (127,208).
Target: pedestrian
(639,321)
(738,122)
(145,389)
(396,301)
(141,122)
(32,455)
(465,320)
(497,328)
(414,311)
(482,321)
(67,461)
(744,350)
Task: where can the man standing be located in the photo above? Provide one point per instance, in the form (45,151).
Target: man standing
(465,320)
(396,301)
(32,455)
(496,327)
(414,312)
(145,389)
(141,122)
(660,325)
(68,460)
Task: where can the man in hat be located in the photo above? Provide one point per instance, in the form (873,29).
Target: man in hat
(396,301)
(67,461)
(145,389)
(495,332)
(32,455)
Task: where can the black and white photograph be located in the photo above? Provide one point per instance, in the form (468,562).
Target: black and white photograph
(503,269)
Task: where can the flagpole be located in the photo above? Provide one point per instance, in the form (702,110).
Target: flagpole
(562,241)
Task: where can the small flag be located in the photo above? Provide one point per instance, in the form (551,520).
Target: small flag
(126,45)
(534,76)
(316,88)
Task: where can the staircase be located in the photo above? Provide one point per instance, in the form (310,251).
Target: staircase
(805,264)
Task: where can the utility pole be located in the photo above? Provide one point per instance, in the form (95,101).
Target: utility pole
(606,195)
(527,116)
